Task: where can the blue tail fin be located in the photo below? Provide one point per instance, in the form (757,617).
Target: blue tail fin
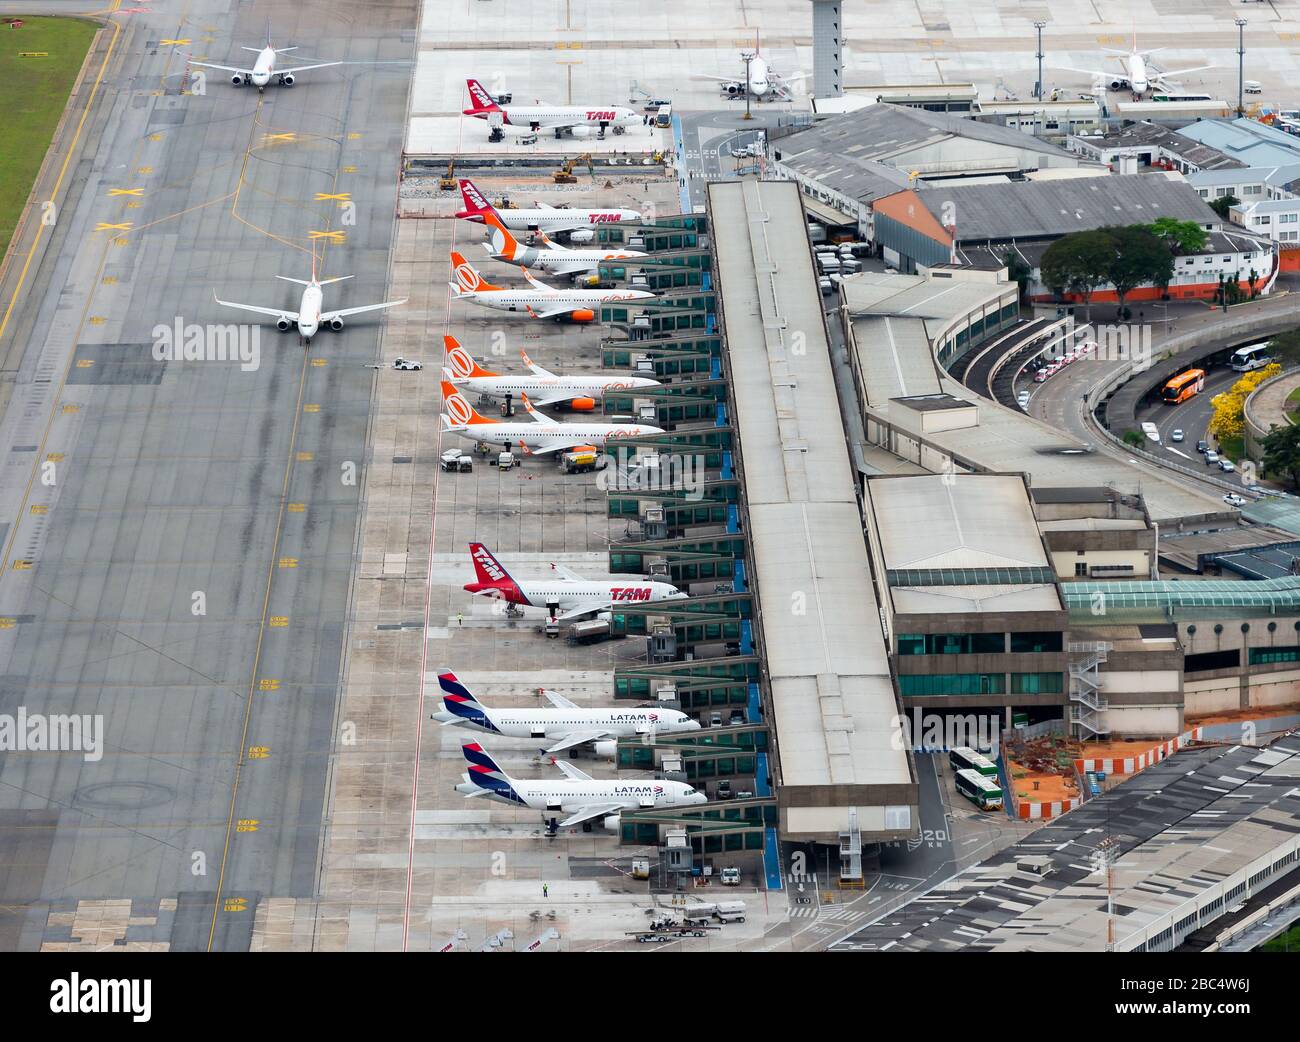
(458,701)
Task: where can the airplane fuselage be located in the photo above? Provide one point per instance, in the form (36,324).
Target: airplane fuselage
(565,261)
(539,436)
(525,299)
(556,220)
(529,116)
(309,311)
(572,596)
(570,796)
(540,387)
(556,723)
(264,67)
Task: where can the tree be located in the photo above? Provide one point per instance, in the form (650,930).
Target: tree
(1018,271)
(1135,438)
(1223,204)
(1286,346)
(1136,257)
(1180,236)
(1077,263)
(1282,452)
(1228,417)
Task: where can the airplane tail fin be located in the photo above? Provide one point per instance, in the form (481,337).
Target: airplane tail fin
(492,578)
(461,362)
(459,409)
(486,774)
(481,102)
(477,206)
(468,278)
(503,243)
(458,701)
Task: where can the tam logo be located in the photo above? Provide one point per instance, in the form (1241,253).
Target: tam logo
(489,565)
(630,593)
(475,197)
(603,218)
(599,116)
(480,95)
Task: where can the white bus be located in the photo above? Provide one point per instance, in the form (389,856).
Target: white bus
(965,759)
(1255,356)
(984,792)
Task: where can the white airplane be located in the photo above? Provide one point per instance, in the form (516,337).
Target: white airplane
(763,81)
(580,392)
(578,794)
(456,938)
(528,119)
(572,595)
(542,301)
(541,436)
(1139,75)
(563,723)
(549,934)
(577,223)
(309,317)
(264,67)
(558,260)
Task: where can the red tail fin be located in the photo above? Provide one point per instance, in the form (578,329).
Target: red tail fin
(479,99)
(476,204)
(492,577)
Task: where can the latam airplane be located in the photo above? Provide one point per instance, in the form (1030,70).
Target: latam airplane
(577,223)
(563,723)
(542,301)
(558,260)
(578,794)
(264,67)
(573,595)
(541,436)
(580,392)
(1139,74)
(763,81)
(528,119)
(309,317)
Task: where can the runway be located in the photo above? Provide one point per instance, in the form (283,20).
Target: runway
(179,534)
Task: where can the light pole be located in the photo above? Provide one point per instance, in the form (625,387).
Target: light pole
(1038,86)
(1241,65)
(748,57)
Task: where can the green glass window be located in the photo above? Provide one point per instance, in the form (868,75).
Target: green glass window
(951,643)
(1046,640)
(1264,656)
(953,684)
(1037,683)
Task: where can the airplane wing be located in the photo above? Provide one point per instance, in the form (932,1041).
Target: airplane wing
(716,79)
(576,738)
(560,396)
(1181,72)
(559,309)
(223,68)
(587,609)
(537,417)
(304,68)
(568,267)
(344,312)
(567,574)
(536,369)
(597,810)
(571,772)
(559,701)
(272,312)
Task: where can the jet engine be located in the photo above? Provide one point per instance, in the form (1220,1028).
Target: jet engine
(734,90)
(605,750)
(1118,84)
(287,79)
(237,80)
(582,404)
(582,235)
(582,315)
(284,323)
(336,323)
(613,823)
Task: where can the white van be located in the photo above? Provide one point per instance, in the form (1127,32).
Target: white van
(729,911)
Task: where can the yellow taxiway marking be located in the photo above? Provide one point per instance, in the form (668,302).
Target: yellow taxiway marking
(104,226)
(335,237)
(173,43)
(268,684)
(297,508)
(349,170)
(311,408)
(125,191)
(322,197)
(271,139)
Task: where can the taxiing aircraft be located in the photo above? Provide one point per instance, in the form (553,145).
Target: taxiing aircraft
(563,723)
(578,223)
(580,393)
(763,81)
(541,436)
(578,795)
(572,595)
(309,317)
(542,301)
(264,68)
(528,119)
(1139,74)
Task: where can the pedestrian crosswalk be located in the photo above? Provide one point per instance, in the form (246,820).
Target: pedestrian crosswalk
(826,914)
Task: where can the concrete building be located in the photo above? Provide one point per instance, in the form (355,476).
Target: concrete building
(1141,146)
(1248,141)
(1095,533)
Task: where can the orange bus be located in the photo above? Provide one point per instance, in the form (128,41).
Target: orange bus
(1183,386)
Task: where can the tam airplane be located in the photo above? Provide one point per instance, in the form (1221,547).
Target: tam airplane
(580,796)
(264,66)
(578,223)
(580,392)
(309,317)
(573,595)
(528,119)
(1139,74)
(542,436)
(763,81)
(563,723)
(542,301)
(558,260)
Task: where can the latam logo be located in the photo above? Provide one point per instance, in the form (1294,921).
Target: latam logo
(601,117)
(460,361)
(639,790)
(630,593)
(488,563)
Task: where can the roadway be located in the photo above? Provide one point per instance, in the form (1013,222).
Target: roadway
(179,535)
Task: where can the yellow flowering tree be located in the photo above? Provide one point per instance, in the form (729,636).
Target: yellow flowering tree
(1227,420)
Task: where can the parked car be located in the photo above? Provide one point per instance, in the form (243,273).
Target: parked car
(737,717)
(1234,500)
(1211,457)
(1227,466)
(1177,435)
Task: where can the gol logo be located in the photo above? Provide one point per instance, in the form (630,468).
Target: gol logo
(467,277)
(459,410)
(461,362)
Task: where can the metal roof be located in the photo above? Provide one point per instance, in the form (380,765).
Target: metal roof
(827,666)
(1248,140)
(1139,135)
(1038,209)
(1193,598)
